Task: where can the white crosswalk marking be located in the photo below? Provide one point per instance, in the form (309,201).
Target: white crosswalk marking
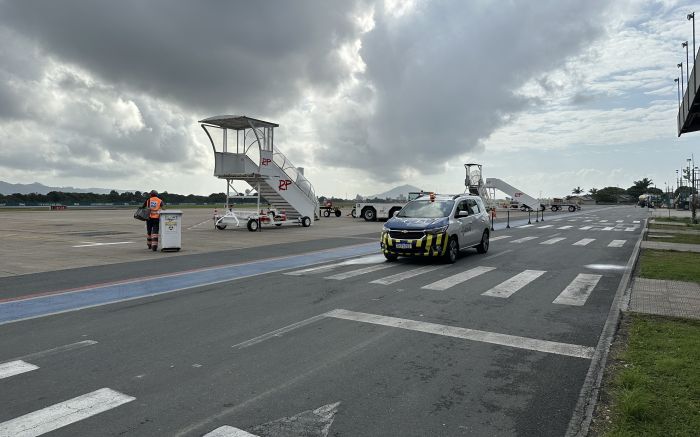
(602,221)
(507,288)
(229,431)
(553,240)
(313,270)
(526,226)
(453,280)
(608,228)
(617,243)
(585,228)
(62,414)
(358,272)
(13,368)
(629,229)
(583,242)
(565,227)
(588,221)
(619,221)
(572,220)
(522,240)
(405,275)
(578,291)
(635,221)
(500,237)
(546,226)
(546,346)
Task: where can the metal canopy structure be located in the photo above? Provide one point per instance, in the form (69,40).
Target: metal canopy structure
(689,107)
(237,122)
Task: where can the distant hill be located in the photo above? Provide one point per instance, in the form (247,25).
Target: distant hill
(396,192)
(8,188)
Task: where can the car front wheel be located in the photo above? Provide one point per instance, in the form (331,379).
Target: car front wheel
(452,251)
(483,247)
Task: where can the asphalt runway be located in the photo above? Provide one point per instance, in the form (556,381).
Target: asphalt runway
(301,331)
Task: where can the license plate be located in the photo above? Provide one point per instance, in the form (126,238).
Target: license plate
(403,245)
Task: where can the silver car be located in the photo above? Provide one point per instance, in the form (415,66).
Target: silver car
(437,226)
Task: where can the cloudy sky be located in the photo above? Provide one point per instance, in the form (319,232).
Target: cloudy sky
(547,95)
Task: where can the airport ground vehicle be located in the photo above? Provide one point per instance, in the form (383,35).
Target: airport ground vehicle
(559,204)
(254,219)
(437,226)
(327,209)
(371,211)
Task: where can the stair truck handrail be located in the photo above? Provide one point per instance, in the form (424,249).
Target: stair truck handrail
(290,170)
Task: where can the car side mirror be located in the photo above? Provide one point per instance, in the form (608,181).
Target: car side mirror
(461,214)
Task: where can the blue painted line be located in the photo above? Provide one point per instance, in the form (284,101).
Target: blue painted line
(101,295)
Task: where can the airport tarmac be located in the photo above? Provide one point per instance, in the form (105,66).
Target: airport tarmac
(35,241)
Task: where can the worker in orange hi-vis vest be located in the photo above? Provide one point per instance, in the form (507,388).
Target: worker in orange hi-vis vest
(155,204)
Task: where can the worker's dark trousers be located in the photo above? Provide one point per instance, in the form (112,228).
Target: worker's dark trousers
(152,228)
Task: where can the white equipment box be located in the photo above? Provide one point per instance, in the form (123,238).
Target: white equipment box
(170,230)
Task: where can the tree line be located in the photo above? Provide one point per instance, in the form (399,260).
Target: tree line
(643,186)
(114,197)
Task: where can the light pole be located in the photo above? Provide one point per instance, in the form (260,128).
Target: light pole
(678,85)
(687,63)
(691,16)
(680,65)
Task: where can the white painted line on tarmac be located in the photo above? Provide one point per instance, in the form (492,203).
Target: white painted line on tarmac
(619,221)
(630,229)
(617,243)
(508,288)
(62,414)
(552,347)
(500,237)
(453,280)
(546,226)
(565,227)
(578,291)
(229,431)
(522,240)
(13,368)
(313,270)
(602,221)
(358,272)
(608,228)
(199,224)
(404,275)
(526,226)
(279,332)
(371,259)
(55,350)
(584,242)
(585,228)
(553,240)
(635,221)
(104,244)
(587,221)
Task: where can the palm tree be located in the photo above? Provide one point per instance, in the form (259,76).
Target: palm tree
(593,191)
(643,184)
(577,191)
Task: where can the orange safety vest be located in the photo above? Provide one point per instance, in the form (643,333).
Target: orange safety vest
(154,205)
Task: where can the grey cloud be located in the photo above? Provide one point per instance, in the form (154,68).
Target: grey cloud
(444,78)
(211,55)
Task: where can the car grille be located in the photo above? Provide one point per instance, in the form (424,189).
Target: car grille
(408,235)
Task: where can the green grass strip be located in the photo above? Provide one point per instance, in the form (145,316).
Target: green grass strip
(675,238)
(666,264)
(656,385)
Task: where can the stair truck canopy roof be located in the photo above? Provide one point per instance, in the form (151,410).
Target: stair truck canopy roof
(236,122)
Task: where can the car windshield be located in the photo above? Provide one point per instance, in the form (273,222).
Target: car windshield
(427,209)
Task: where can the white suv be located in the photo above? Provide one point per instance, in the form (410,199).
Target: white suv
(437,225)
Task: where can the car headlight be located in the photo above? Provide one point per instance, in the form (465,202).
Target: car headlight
(385,229)
(439,230)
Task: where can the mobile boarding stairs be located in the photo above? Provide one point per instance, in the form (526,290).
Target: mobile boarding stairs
(246,153)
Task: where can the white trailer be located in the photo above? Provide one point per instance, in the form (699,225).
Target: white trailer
(371,211)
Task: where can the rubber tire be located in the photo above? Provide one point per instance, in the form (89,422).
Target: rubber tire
(278,224)
(305,222)
(483,247)
(369,214)
(338,213)
(553,208)
(450,256)
(253,225)
(390,257)
(327,213)
(221,227)
(572,208)
(353,213)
